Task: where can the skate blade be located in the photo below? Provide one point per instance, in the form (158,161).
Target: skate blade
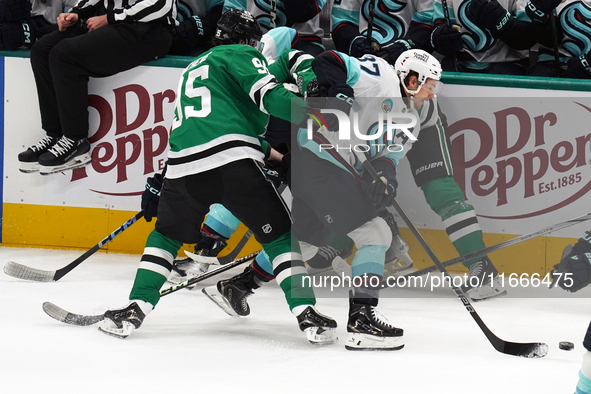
(213,294)
(120,333)
(77,162)
(320,336)
(29,168)
(358,341)
(486,292)
(341,267)
(401,263)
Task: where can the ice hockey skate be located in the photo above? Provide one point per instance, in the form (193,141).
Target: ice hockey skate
(65,154)
(187,268)
(121,322)
(479,286)
(29,159)
(368,330)
(322,260)
(319,329)
(397,257)
(231,294)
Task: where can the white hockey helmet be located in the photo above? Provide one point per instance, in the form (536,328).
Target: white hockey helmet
(419,61)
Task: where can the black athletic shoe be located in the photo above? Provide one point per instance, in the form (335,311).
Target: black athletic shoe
(29,159)
(65,154)
(368,330)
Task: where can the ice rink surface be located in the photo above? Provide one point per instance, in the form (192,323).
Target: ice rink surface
(187,344)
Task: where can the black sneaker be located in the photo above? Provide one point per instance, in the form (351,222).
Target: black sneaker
(482,282)
(368,330)
(120,322)
(231,294)
(29,159)
(320,329)
(65,154)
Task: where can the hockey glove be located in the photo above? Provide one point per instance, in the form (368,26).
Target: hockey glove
(392,51)
(579,67)
(277,171)
(573,273)
(445,39)
(14,10)
(489,14)
(382,193)
(539,10)
(301,11)
(151,196)
(359,46)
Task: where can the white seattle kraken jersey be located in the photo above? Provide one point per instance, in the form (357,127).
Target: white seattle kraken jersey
(377,93)
(478,42)
(574,17)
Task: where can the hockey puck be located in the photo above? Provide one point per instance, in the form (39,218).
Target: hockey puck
(566,345)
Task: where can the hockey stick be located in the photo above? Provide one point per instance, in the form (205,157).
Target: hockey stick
(272,13)
(555,43)
(448,21)
(23,272)
(370,15)
(529,350)
(64,316)
(224,259)
(503,245)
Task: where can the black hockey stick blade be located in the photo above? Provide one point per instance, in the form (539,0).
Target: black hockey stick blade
(64,316)
(502,245)
(23,272)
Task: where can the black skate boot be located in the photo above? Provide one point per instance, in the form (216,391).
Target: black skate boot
(323,259)
(65,154)
(368,330)
(319,328)
(120,322)
(479,286)
(231,294)
(187,268)
(29,159)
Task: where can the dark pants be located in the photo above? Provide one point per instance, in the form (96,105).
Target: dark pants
(240,186)
(62,63)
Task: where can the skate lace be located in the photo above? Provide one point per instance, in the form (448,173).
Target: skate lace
(62,146)
(328,252)
(380,318)
(476,269)
(44,143)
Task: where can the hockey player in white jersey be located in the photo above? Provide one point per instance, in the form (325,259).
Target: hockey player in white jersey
(396,27)
(429,159)
(495,38)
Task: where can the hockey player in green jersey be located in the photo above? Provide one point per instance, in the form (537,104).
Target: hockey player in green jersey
(216,154)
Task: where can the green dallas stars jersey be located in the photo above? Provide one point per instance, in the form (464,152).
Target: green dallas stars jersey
(223,101)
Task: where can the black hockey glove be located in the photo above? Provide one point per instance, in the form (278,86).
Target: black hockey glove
(301,11)
(151,196)
(539,10)
(579,67)
(445,39)
(392,51)
(574,270)
(14,10)
(489,14)
(359,46)
(382,193)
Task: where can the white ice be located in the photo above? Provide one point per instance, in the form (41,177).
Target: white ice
(187,344)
